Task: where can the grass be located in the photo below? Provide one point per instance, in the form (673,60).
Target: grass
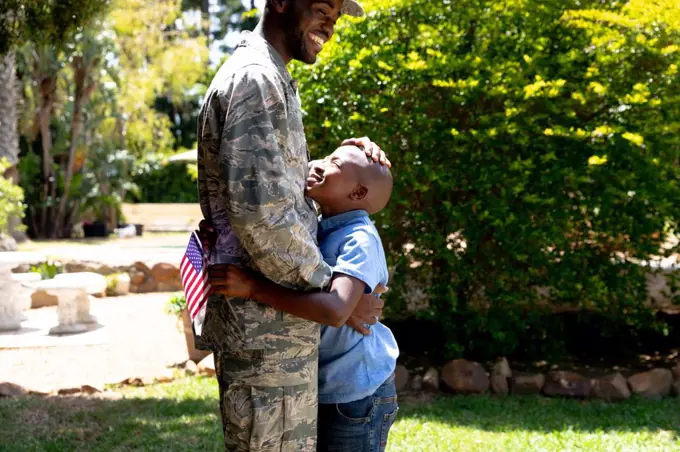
(183,415)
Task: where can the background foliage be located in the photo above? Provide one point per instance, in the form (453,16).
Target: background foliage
(535,148)
(11,199)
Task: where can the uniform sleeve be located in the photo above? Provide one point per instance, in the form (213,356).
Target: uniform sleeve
(358,257)
(260,188)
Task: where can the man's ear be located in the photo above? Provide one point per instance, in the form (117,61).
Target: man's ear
(280,5)
(358,193)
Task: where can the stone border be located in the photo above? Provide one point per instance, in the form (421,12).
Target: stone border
(468,377)
(121,280)
(188,368)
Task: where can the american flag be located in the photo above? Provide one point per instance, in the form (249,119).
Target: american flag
(195,282)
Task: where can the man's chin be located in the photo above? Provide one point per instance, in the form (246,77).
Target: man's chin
(306,57)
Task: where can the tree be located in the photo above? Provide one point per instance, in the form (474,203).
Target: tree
(48,22)
(96,95)
(44,22)
(535,149)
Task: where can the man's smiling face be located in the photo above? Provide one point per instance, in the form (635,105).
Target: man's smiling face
(309,25)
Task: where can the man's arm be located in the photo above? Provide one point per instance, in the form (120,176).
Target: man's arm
(260,184)
(331,308)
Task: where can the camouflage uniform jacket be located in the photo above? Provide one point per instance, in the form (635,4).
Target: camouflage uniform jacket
(252,167)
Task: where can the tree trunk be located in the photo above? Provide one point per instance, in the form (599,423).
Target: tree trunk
(82,93)
(9,133)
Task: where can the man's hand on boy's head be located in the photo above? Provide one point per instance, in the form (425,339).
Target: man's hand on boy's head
(371,149)
(368,310)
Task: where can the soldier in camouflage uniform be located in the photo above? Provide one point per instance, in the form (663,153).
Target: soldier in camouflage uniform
(252,164)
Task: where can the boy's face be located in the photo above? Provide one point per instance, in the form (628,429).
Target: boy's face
(332,180)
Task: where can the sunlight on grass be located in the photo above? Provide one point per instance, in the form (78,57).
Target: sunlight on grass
(536,424)
(184,416)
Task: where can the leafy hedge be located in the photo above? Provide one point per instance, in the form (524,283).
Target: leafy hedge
(11,199)
(158,182)
(535,145)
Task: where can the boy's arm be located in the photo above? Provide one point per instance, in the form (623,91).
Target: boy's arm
(331,308)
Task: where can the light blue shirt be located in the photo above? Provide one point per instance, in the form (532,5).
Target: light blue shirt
(353,366)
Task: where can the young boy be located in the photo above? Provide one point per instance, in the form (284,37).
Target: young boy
(357,394)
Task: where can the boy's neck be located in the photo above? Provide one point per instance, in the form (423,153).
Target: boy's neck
(327,212)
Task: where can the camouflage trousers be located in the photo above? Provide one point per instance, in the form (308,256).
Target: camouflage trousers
(264,418)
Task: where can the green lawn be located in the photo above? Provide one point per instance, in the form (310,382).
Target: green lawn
(183,416)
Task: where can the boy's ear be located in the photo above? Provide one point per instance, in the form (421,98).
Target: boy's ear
(358,193)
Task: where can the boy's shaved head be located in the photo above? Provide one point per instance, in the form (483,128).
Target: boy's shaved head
(349,180)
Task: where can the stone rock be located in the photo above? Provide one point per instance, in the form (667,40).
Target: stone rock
(11,390)
(7,243)
(164,272)
(502,368)
(417,383)
(191,367)
(207,366)
(611,388)
(137,277)
(142,267)
(89,389)
(654,384)
(499,385)
(119,285)
(676,371)
(146,287)
(169,286)
(566,384)
(167,376)
(104,270)
(23,268)
(431,380)
(401,377)
(676,388)
(38,392)
(41,299)
(465,377)
(136,381)
(69,391)
(528,384)
(81,267)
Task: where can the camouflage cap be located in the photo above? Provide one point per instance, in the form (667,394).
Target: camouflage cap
(352,8)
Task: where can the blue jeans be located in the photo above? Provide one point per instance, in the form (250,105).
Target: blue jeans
(359,426)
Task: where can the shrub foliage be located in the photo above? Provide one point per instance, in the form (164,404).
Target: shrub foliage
(535,148)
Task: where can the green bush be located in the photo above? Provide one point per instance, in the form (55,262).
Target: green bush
(11,199)
(48,270)
(535,145)
(163,183)
(176,304)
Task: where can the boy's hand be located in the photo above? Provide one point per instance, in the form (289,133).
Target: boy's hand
(368,310)
(371,149)
(232,281)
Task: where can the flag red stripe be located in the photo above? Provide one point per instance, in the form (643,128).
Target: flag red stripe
(199,299)
(183,268)
(188,288)
(194,288)
(198,289)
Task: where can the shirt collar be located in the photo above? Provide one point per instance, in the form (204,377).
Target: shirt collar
(330,223)
(257,42)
